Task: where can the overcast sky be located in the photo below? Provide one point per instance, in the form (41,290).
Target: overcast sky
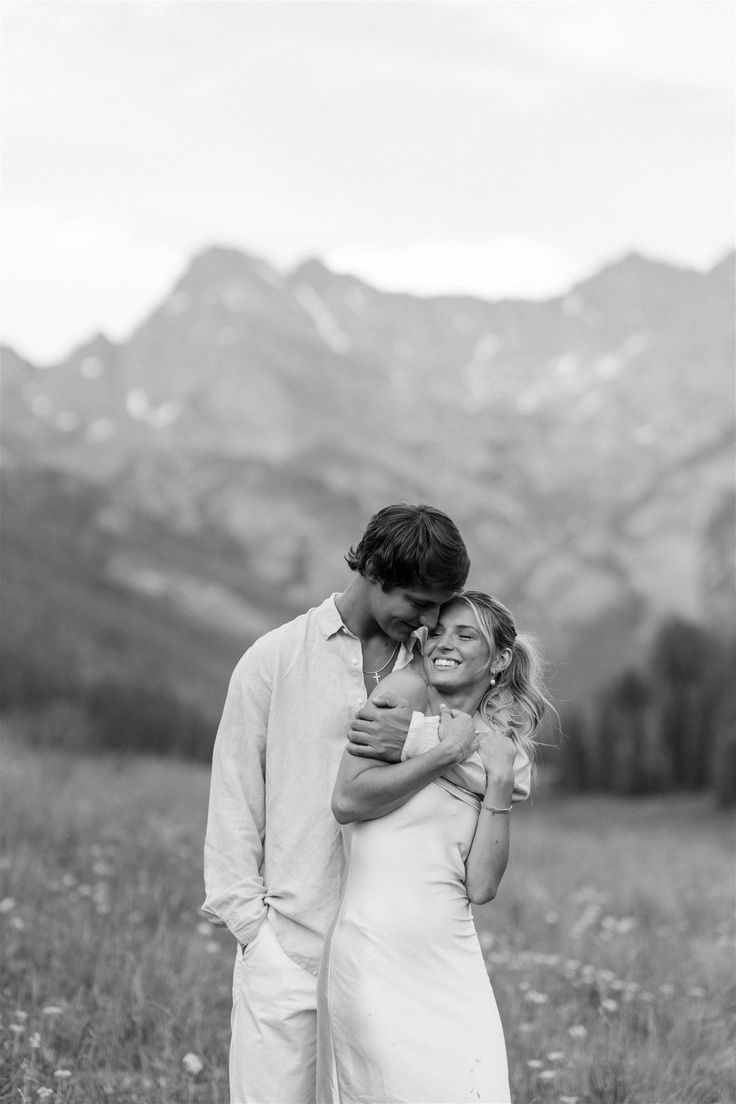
(500,148)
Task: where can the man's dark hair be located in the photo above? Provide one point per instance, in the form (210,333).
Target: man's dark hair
(412,546)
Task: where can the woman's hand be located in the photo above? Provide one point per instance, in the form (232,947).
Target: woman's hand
(458,729)
(497,753)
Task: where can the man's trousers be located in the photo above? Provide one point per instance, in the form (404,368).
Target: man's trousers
(273,1051)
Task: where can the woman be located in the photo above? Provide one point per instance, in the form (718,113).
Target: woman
(406,1010)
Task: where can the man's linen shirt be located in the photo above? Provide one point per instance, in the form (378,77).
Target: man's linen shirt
(272,843)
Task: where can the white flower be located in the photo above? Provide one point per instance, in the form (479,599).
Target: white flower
(192,1064)
(62,1074)
(578,1031)
(7,904)
(43,1093)
(535,1063)
(556,1056)
(547,1075)
(609,1005)
(536,998)
(51,1010)
(35,1041)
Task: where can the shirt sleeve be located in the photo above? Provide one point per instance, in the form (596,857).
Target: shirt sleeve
(233,849)
(522,777)
(423,735)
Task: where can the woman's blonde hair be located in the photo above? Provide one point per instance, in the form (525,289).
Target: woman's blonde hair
(521,679)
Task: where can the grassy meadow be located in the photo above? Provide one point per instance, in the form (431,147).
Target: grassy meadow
(610,946)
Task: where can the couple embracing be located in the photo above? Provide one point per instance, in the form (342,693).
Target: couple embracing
(346,870)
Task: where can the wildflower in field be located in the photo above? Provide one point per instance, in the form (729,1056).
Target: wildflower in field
(51,1010)
(547,1075)
(62,1074)
(204,929)
(17,1028)
(35,1041)
(666,990)
(556,1056)
(609,1005)
(551,917)
(696,991)
(568,1100)
(18,923)
(212,947)
(588,917)
(19,1014)
(535,1063)
(192,1064)
(43,1093)
(7,905)
(578,1031)
(536,998)
(526,1027)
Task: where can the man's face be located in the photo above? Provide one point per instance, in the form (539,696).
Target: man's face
(401,610)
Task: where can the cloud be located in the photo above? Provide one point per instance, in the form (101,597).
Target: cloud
(679,44)
(70,278)
(507,267)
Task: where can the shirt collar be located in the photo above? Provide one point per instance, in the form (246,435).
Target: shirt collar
(330,622)
(328,617)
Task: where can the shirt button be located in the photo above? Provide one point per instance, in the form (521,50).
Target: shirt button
(354,662)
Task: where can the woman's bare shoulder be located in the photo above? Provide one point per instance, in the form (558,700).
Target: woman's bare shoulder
(408,682)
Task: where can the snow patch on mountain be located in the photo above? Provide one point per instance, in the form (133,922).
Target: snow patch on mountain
(100,430)
(476,374)
(325,323)
(164,415)
(178,303)
(91,368)
(67,421)
(137,404)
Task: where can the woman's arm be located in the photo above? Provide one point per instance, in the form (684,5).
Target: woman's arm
(486,863)
(369,788)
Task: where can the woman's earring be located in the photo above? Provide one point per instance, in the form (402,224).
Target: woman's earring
(493,679)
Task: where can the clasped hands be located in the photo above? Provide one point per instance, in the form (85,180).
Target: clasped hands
(379,729)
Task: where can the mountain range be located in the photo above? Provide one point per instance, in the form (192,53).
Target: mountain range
(168,498)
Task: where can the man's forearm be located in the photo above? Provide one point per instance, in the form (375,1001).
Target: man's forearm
(379,790)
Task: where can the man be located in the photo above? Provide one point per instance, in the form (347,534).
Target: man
(273,852)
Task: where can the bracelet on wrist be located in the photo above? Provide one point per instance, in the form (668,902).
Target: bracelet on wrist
(493,809)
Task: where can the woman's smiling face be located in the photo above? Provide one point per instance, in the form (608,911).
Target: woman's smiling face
(456,654)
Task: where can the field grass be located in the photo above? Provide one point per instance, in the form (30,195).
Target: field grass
(610,945)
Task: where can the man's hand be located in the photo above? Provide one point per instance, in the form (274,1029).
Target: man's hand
(380,727)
